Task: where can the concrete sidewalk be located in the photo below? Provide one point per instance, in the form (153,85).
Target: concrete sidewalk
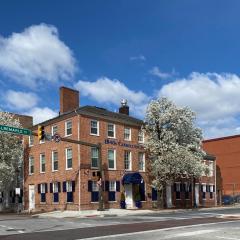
(120,212)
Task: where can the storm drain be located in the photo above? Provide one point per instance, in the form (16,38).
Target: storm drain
(15,229)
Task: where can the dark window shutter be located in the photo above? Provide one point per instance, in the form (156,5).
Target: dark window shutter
(69,196)
(190,187)
(73,186)
(39,188)
(46,188)
(118,186)
(106,186)
(111,196)
(201,188)
(59,187)
(154,194)
(55,197)
(51,187)
(181,187)
(213,188)
(64,187)
(21,192)
(90,186)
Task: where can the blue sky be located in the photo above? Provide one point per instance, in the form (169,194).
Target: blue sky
(108,50)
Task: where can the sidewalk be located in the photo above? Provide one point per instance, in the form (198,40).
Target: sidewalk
(120,212)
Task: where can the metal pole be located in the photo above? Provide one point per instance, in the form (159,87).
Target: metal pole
(100,193)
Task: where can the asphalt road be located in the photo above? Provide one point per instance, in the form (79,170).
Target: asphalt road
(210,224)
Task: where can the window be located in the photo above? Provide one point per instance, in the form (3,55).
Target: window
(112,191)
(54,130)
(127,160)
(141,161)
(31,165)
(70,185)
(187,189)
(203,172)
(56,190)
(111,159)
(211,190)
(94,127)
(111,130)
(140,136)
(94,192)
(204,188)
(42,163)
(68,128)
(54,161)
(94,157)
(68,158)
(178,190)
(211,169)
(127,133)
(31,140)
(43,192)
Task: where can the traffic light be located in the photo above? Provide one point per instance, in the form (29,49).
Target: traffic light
(41,133)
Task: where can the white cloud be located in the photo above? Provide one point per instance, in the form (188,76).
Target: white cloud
(105,90)
(41,114)
(163,75)
(214,97)
(20,100)
(35,56)
(140,58)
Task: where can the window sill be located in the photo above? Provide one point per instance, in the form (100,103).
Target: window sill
(95,168)
(112,137)
(95,202)
(129,140)
(112,169)
(67,169)
(54,170)
(55,202)
(30,174)
(42,172)
(96,135)
(112,201)
(43,203)
(142,170)
(69,202)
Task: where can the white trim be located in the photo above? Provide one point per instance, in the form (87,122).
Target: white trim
(93,134)
(114,130)
(69,120)
(144,165)
(29,140)
(114,159)
(66,162)
(53,161)
(29,166)
(52,129)
(130,160)
(40,160)
(130,134)
(140,131)
(115,185)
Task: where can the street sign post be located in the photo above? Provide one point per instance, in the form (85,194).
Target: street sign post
(14,130)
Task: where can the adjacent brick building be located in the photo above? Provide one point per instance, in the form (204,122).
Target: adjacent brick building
(226,150)
(64,175)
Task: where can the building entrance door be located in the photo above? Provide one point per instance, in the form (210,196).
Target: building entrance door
(31,197)
(128,195)
(169,196)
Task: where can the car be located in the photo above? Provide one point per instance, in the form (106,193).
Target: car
(237,198)
(227,200)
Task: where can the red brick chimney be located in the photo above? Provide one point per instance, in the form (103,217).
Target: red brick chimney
(69,99)
(124,109)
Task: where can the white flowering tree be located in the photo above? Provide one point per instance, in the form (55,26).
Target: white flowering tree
(11,152)
(173,144)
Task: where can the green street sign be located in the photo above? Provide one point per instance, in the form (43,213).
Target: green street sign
(14,130)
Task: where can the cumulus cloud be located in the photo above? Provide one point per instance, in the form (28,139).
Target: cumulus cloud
(35,56)
(20,100)
(214,97)
(41,114)
(105,90)
(155,71)
(138,58)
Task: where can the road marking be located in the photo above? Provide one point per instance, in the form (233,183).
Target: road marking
(21,232)
(229,238)
(188,234)
(158,230)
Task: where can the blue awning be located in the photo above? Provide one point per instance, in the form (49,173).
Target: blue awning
(134,178)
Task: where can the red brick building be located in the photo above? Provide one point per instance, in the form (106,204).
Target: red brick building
(61,175)
(226,150)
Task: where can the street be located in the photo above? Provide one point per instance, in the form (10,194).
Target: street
(206,224)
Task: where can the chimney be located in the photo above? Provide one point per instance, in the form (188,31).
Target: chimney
(124,109)
(69,99)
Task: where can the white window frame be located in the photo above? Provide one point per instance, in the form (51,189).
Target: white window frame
(68,121)
(97,158)
(53,170)
(42,188)
(42,141)
(211,169)
(143,159)
(30,163)
(114,158)
(94,134)
(55,187)
(114,130)
(130,134)
(95,186)
(112,186)
(40,158)
(68,186)
(211,188)
(31,140)
(130,160)
(66,150)
(55,126)
(141,133)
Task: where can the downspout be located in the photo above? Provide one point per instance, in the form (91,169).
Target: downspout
(79,161)
(215,182)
